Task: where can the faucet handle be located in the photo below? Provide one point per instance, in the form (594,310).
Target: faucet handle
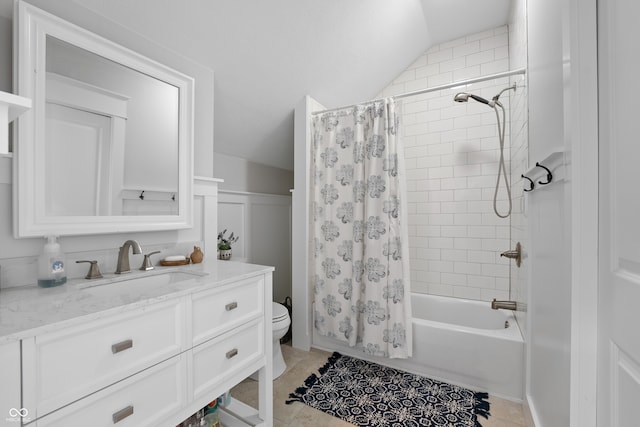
(94,271)
(515,254)
(146,263)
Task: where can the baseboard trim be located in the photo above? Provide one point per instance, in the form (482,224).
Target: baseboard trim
(531,417)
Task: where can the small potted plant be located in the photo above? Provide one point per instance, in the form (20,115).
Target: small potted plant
(224,244)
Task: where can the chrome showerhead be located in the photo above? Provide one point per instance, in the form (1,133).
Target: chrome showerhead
(461,97)
(464,97)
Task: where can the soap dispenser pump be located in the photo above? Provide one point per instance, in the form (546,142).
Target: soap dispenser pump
(51,265)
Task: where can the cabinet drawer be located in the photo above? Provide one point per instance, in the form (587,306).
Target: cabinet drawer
(222,357)
(77,361)
(219,310)
(145,399)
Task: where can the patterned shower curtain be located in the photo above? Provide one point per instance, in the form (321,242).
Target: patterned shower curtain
(360,259)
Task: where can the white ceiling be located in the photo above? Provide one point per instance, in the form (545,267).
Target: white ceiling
(268,54)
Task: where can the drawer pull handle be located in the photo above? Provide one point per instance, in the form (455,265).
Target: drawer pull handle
(122,414)
(232,353)
(121,346)
(231,306)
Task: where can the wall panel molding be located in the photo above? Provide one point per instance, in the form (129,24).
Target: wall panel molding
(263,223)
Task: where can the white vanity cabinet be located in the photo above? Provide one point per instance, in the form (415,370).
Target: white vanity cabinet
(10,381)
(153,364)
(218,310)
(228,334)
(146,398)
(71,363)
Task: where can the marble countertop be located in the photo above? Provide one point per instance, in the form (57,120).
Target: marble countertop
(26,311)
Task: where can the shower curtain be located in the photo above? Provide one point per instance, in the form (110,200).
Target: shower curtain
(360,255)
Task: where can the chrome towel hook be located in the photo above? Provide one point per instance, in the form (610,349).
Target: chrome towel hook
(531,184)
(549,176)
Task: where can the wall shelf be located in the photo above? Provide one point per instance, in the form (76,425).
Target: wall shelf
(11,106)
(16,105)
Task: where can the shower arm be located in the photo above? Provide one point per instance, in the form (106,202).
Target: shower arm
(495,98)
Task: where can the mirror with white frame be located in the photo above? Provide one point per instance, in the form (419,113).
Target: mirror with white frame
(108,144)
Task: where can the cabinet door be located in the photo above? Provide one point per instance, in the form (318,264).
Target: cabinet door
(66,365)
(10,383)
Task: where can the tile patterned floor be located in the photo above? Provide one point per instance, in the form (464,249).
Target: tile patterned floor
(301,364)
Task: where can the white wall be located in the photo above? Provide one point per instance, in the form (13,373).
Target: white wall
(519,132)
(302,316)
(5,54)
(242,175)
(452,152)
(563,218)
(549,220)
(263,224)
(255,203)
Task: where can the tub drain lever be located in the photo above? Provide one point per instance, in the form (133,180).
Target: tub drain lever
(516,254)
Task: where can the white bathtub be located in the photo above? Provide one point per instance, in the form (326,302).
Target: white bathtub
(459,341)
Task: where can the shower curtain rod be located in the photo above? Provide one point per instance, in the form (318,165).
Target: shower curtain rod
(436,88)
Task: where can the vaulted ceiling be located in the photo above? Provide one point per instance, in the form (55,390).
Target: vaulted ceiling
(268,54)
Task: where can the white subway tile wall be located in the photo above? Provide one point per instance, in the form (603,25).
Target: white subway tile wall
(452,153)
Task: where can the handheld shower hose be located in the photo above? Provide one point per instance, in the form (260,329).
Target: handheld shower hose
(502,170)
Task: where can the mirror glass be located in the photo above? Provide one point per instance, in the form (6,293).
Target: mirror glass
(108,144)
(114,122)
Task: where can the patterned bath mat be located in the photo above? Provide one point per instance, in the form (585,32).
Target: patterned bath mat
(368,394)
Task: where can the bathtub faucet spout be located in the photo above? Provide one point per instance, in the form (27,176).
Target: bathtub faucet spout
(507,305)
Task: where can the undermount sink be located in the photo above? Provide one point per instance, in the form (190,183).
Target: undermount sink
(138,282)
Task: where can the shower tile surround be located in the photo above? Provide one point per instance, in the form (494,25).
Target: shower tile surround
(451,156)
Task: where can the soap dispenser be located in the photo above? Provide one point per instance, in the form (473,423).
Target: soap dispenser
(51,265)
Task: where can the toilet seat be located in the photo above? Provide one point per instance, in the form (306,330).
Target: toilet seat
(279,312)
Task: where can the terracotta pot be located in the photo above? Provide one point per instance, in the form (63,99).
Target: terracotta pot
(196,255)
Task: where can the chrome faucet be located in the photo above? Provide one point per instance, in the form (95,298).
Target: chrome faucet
(123,256)
(506,305)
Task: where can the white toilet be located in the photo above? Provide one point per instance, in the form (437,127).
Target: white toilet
(281,321)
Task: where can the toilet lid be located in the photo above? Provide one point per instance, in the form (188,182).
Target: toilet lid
(279,311)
